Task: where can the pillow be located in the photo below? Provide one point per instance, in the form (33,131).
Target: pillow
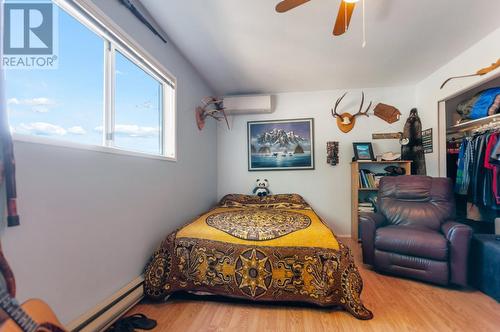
(281,201)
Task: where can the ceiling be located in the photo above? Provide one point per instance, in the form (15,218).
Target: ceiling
(246,47)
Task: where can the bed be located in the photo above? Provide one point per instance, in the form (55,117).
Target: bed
(273,248)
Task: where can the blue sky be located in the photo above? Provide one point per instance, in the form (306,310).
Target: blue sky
(67,103)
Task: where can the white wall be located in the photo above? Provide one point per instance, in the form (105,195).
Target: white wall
(480,55)
(327,188)
(90,220)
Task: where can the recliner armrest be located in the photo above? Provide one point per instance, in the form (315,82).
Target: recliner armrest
(369,222)
(458,236)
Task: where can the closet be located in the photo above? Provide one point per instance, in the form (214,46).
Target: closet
(466,146)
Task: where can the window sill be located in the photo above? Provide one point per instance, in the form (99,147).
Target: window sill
(87,147)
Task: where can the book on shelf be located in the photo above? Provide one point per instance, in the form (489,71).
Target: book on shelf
(368,179)
(368,205)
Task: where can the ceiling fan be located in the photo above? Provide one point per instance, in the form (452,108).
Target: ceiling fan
(343,17)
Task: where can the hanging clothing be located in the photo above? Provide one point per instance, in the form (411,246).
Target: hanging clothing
(495,154)
(495,169)
(477,177)
(465,158)
(414,150)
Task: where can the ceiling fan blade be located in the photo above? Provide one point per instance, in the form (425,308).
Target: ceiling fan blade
(343,17)
(286,5)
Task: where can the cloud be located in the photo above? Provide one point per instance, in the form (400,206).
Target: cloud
(13,101)
(40,101)
(77,130)
(135,131)
(146,105)
(40,109)
(38,105)
(41,128)
(132,130)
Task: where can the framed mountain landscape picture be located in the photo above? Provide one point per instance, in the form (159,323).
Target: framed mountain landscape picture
(280,145)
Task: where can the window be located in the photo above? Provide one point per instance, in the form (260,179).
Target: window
(103,93)
(52,103)
(138,101)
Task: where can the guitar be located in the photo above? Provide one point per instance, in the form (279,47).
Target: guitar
(32,316)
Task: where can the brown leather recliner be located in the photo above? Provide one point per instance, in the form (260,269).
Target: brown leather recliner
(413,233)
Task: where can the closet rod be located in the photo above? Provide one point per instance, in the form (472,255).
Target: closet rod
(473,124)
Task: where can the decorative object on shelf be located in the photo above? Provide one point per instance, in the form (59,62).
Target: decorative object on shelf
(388,113)
(414,150)
(332,153)
(212,107)
(390,156)
(344,15)
(346,121)
(261,188)
(395,170)
(427,140)
(280,145)
(363,151)
(480,72)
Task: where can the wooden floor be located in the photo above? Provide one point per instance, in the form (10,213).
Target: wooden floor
(398,305)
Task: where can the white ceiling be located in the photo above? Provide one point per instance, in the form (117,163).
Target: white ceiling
(244,46)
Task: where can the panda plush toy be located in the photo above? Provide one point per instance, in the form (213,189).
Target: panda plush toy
(261,188)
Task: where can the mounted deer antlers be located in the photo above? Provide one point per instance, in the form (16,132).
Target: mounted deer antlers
(217,112)
(346,121)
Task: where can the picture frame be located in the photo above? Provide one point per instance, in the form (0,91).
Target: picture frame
(277,145)
(363,151)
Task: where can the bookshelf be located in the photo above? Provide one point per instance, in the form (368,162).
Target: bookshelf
(361,194)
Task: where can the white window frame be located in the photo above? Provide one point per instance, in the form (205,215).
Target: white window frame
(115,39)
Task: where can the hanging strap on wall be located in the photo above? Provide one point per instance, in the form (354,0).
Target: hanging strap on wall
(8,171)
(7,164)
(137,13)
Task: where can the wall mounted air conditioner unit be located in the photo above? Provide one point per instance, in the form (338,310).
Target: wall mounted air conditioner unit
(248,104)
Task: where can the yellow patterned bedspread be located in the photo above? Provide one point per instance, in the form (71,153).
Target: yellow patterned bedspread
(262,227)
(274,248)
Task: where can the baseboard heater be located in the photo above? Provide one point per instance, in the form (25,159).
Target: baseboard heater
(106,313)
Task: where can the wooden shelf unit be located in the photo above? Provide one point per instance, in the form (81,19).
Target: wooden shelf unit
(355,189)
